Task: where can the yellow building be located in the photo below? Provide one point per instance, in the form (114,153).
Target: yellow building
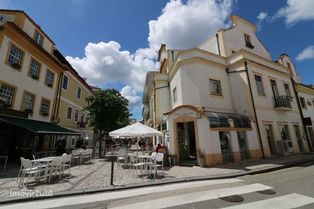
(70,111)
(40,93)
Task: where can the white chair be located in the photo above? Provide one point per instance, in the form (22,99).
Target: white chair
(76,156)
(135,165)
(28,169)
(122,156)
(55,167)
(155,164)
(87,154)
(66,162)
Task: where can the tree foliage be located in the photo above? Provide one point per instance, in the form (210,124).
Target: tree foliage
(108,110)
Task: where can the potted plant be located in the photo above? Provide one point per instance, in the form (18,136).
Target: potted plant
(16,65)
(28,111)
(44,113)
(173,159)
(34,76)
(200,158)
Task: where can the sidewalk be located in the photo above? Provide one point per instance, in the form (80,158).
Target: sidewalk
(95,177)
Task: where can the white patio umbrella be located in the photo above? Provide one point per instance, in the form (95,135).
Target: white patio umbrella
(135,130)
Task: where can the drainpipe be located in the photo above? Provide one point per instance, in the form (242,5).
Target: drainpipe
(218,45)
(59,93)
(301,114)
(57,99)
(255,115)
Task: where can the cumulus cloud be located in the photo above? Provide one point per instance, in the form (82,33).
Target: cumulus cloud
(187,25)
(180,25)
(260,18)
(130,94)
(107,63)
(306,54)
(296,10)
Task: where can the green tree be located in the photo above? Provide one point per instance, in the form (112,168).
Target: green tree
(108,111)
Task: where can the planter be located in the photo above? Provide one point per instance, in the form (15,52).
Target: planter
(16,65)
(201,162)
(173,159)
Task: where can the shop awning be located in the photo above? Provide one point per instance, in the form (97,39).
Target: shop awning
(37,127)
(228,120)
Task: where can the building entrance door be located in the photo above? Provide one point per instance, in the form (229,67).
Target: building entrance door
(311,135)
(243,145)
(299,138)
(225,146)
(186,143)
(286,140)
(270,139)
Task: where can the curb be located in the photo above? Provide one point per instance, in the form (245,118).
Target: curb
(152,184)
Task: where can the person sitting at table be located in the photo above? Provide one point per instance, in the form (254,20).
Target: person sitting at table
(160,147)
(142,144)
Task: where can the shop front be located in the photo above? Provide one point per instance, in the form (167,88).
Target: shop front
(198,137)
(22,137)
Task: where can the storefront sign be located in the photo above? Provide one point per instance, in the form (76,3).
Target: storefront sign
(186,112)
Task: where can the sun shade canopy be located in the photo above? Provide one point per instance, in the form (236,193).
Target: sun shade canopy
(37,127)
(135,130)
(228,120)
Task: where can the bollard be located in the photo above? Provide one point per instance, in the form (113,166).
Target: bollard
(112,169)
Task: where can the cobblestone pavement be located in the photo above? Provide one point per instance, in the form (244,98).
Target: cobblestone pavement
(96,175)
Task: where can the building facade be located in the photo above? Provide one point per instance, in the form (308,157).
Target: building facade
(71,113)
(32,98)
(305,94)
(225,100)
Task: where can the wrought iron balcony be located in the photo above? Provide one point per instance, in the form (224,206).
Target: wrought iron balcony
(283,102)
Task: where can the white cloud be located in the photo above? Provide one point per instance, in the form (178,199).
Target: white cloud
(260,18)
(187,25)
(107,63)
(180,25)
(130,94)
(306,54)
(296,10)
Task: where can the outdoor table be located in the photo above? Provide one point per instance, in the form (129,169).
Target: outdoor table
(44,161)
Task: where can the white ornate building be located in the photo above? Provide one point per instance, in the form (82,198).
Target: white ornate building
(225,100)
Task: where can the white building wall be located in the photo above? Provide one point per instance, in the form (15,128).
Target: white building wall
(176,83)
(234,40)
(210,45)
(196,87)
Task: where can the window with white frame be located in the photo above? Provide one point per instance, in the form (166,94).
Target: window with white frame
(38,38)
(78,93)
(15,56)
(65,82)
(69,113)
(215,87)
(259,85)
(34,69)
(6,94)
(76,113)
(174,94)
(28,102)
(44,107)
(287,89)
(49,78)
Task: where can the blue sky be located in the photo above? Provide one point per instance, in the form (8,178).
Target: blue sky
(114,42)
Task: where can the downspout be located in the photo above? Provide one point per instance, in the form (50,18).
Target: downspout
(59,93)
(255,115)
(218,45)
(57,96)
(301,114)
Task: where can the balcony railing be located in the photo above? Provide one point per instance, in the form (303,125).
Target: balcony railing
(283,102)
